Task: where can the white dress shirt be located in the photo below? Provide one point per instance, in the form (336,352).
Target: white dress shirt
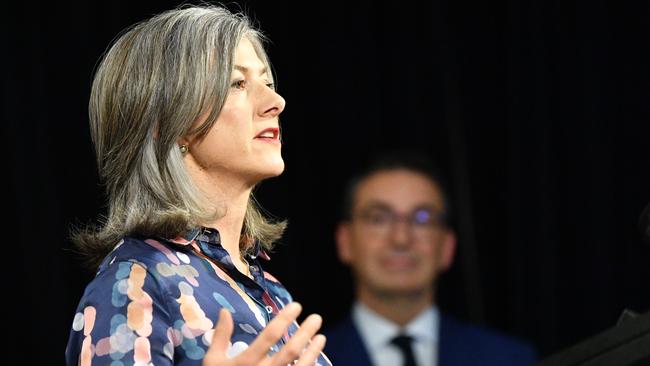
(377,332)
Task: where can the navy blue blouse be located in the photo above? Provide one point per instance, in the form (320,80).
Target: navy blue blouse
(156,301)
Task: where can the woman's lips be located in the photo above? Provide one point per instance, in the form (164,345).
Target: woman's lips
(270,135)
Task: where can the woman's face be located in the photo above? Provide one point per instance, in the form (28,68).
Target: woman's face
(244,143)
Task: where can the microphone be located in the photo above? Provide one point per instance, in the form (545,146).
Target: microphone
(644,224)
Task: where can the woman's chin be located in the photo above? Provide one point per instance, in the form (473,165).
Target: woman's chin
(270,170)
(277,169)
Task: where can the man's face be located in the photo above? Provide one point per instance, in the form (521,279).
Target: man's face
(396,242)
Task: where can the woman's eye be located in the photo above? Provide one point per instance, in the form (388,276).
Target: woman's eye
(270,86)
(238,84)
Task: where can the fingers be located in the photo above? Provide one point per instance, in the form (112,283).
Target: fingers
(271,334)
(295,347)
(221,337)
(309,356)
(298,349)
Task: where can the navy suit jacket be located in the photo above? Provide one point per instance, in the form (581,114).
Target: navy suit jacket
(460,344)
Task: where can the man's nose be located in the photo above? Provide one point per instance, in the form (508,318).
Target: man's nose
(401,234)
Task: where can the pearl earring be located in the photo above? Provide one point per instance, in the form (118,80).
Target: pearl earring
(183,148)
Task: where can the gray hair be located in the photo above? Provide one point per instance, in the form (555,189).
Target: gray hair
(150,87)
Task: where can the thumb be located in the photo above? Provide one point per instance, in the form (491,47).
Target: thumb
(221,336)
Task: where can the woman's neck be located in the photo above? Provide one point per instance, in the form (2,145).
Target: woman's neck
(230,197)
(229,225)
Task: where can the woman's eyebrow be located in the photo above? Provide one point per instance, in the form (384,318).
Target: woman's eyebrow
(246,70)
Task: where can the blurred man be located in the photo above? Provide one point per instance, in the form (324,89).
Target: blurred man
(396,239)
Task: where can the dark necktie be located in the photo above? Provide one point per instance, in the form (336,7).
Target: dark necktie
(403,342)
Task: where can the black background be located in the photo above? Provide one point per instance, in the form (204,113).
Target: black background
(537,111)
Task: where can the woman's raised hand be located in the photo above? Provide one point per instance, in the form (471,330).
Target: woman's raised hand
(302,349)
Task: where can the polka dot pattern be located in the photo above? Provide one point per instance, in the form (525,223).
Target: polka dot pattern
(155,300)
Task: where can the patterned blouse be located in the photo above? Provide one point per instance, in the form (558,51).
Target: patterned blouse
(156,302)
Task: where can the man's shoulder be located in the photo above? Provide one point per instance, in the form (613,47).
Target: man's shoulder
(344,344)
(463,335)
(343,336)
(450,325)
(343,328)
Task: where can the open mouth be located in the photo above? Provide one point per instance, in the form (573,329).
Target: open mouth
(270,134)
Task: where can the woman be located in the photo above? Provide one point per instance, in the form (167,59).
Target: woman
(184,118)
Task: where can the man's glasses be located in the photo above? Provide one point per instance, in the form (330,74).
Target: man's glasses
(422,222)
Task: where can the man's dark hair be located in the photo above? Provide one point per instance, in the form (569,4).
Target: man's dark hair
(411,160)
